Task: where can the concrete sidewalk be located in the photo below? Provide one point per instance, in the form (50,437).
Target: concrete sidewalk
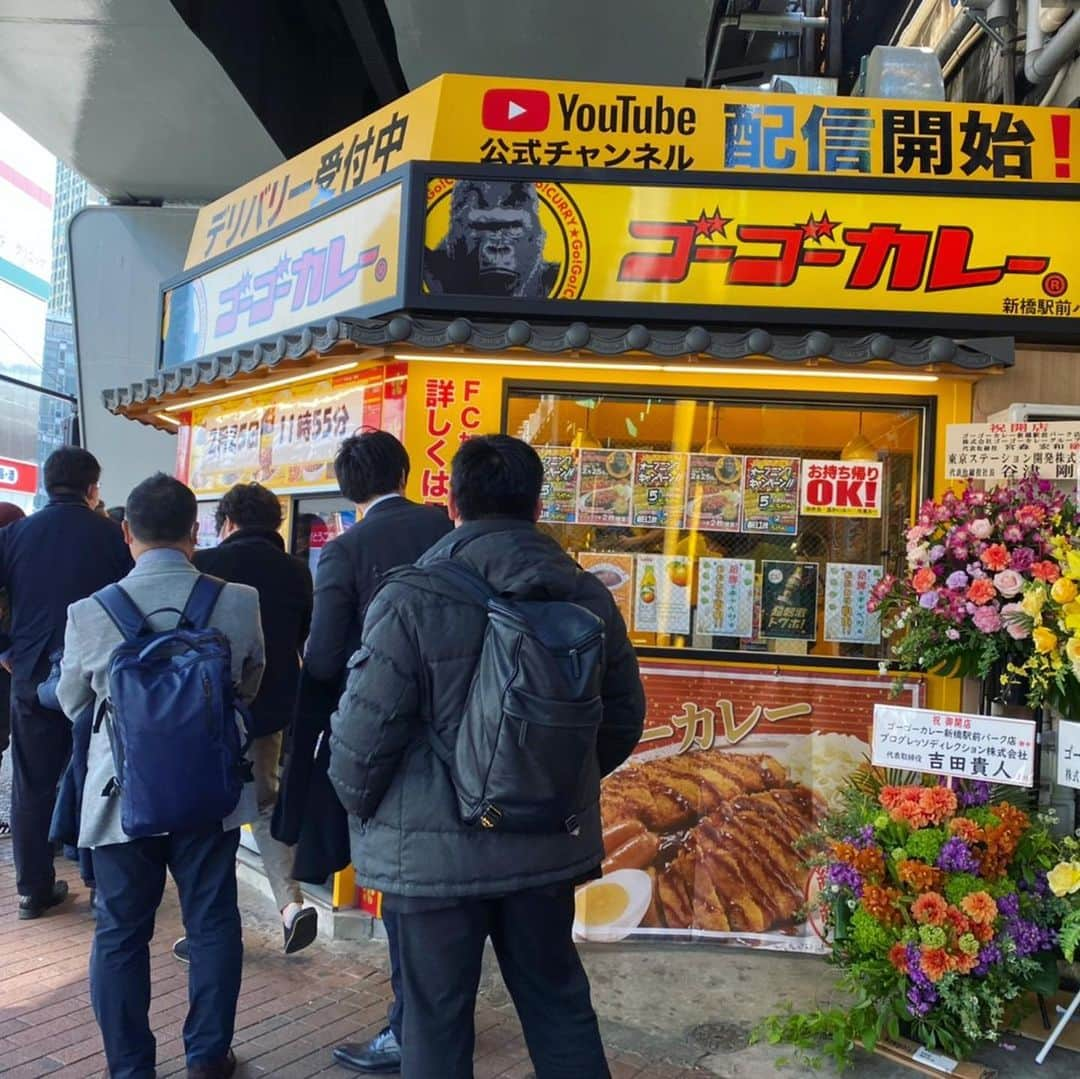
(670,1012)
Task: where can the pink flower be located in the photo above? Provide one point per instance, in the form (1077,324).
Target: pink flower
(952,633)
(918,532)
(1009,583)
(981,528)
(1015,620)
(987,620)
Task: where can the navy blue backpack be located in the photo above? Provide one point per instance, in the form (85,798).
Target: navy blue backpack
(171,718)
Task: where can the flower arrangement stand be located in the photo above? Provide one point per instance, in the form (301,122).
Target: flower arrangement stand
(1066,1018)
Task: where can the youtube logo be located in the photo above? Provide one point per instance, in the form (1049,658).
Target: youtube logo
(516,110)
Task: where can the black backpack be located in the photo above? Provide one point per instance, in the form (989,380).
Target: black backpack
(525,755)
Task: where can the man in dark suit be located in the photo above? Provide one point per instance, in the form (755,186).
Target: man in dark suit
(372,469)
(252,552)
(57,556)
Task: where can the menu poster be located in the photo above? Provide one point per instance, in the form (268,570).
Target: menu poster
(713,493)
(616,572)
(725,604)
(771,495)
(659,498)
(605,485)
(558,496)
(789,601)
(847,592)
(662,594)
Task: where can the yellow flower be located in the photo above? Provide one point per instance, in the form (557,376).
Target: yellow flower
(1073,558)
(1072,650)
(1045,639)
(1064,591)
(1034,601)
(1064,878)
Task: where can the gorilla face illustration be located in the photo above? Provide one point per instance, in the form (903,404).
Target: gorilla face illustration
(494,245)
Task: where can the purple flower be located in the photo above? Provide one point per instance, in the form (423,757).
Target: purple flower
(845,876)
(1029,938)
(1023,558)
(921,1000)
(959,551)
(957,580)
(937,552)
(928,600)
(1012,534)
(956,857)
(952,633)
(989,955)
(976,793)
(1009,905)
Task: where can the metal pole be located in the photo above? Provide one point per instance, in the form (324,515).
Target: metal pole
(39,389)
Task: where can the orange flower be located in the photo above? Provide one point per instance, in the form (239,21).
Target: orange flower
(982,933)
(870,862)
(1035,513)
(1046,571)
(880,903)
(898,957)
(924,580)
(1011,817)
(937,803)
(959,922)
(967,830)
(930,909)
(890,797)
(981,590)
(995,557)
(965,964)
(920,877)
(980,908)
(935,963)
(843,852)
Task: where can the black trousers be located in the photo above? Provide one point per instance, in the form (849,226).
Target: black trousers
(40,747)
(441,953)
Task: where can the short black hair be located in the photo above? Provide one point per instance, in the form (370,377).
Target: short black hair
(161,509)
(496,476)
(371,464)
(249,505)
(71,470)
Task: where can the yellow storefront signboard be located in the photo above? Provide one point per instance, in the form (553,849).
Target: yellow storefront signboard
(346,261)
(709,248)
(601,127)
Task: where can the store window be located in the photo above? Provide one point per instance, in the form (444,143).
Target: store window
(732,525)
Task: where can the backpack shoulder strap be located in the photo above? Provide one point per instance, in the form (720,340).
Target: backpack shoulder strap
(202,601)
(463,579)
(123,611)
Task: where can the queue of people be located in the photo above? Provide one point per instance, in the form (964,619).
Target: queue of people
(384,689)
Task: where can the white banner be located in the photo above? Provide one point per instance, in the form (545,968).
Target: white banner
(995,451)
(987,748)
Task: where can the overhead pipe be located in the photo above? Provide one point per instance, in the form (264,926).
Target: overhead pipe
(1042,61)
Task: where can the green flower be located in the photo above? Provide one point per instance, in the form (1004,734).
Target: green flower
(899,855)
(910,935)
(869,935)
(968,944)
(881,821)
(925,844)
(982,816)
(933,936)
(961,884)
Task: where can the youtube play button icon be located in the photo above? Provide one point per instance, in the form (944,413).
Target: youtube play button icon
(516,110)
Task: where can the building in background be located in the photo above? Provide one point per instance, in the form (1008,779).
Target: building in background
(27,178)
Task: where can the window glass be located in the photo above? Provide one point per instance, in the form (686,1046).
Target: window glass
(731,525)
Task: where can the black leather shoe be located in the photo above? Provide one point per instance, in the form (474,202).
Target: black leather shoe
(303,931)
(215,1069)
(32,906)
(381,1055)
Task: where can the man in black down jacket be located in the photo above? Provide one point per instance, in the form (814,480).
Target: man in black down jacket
(252,552)
(453,886)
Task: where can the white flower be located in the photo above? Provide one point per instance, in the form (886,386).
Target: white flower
(883,668)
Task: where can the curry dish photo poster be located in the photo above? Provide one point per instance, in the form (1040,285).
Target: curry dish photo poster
(705,825)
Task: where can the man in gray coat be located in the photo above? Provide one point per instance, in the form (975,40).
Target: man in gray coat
(453,886)
(160,526)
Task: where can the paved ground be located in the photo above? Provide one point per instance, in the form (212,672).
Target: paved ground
(666,1012)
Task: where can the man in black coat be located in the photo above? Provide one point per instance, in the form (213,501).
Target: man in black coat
(55,557)
(252,552)
(451,885)
(372,470)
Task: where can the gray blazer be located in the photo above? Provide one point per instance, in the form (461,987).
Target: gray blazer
(159,579)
